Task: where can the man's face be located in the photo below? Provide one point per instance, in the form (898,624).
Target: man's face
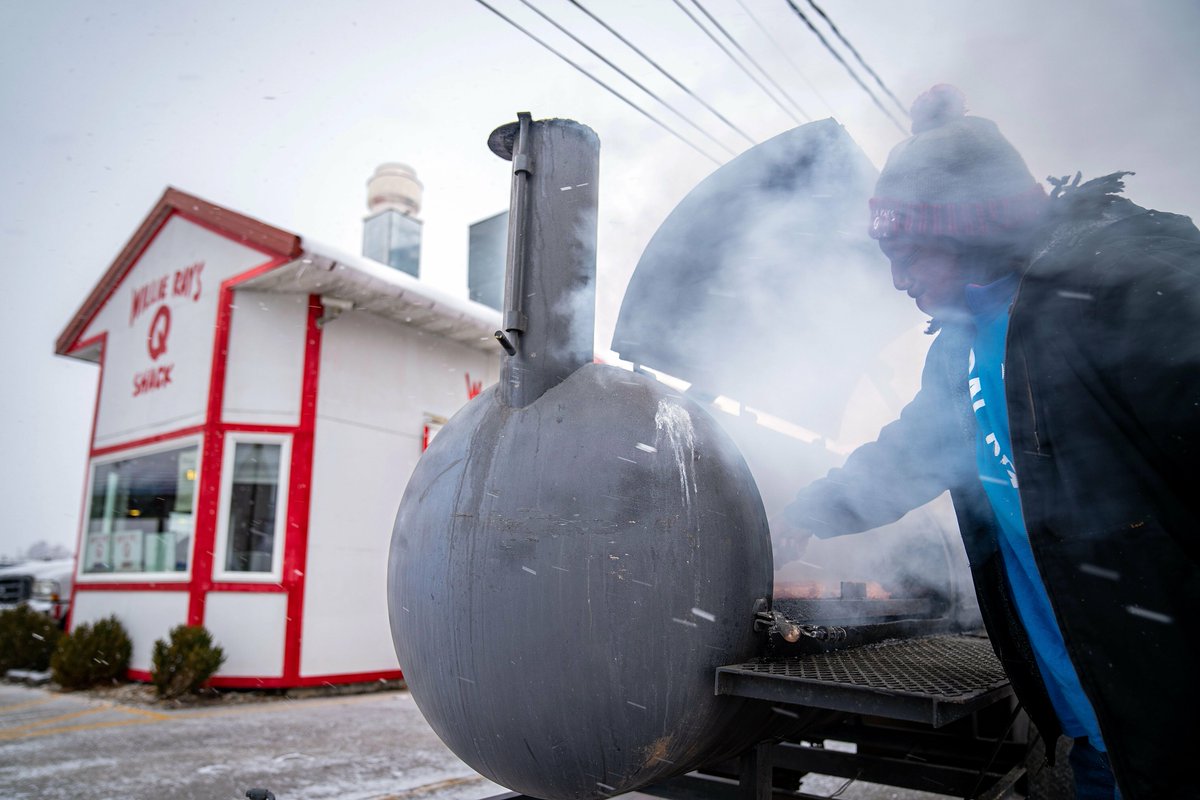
(930,272)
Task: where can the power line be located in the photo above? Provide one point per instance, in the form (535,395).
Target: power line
(842,61)
(627,76)
(750,58)
(604,85)
(739,64)
(668,75)
(850,47)
(783,52)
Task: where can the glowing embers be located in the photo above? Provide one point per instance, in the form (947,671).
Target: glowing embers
(844,590)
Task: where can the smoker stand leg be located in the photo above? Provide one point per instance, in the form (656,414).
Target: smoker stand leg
(754,779)
(1006,786)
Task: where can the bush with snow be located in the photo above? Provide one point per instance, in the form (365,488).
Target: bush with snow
(27,639)
(185,664)
(92,654)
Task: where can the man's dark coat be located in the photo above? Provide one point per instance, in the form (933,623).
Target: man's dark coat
(1102,376)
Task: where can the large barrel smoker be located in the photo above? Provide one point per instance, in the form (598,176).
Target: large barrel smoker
(580,579)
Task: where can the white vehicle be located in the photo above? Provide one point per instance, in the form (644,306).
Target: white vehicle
(44,586)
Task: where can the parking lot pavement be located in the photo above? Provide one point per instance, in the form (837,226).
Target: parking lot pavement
(32,714)
(361,747)
(353,748)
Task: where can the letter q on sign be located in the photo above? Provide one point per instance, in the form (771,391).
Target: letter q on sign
(160,327)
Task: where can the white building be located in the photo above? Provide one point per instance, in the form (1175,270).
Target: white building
(262,402)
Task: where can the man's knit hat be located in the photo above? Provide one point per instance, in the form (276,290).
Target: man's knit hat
(956,177)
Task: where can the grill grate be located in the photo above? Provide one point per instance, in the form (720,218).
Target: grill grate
(943,666)
(934,679)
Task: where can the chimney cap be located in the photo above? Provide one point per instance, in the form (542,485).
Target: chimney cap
(395,185)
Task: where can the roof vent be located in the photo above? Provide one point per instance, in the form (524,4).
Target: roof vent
(391,230)
(395,186)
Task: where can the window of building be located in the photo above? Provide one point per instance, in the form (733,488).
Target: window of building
(251,540)
(141,512)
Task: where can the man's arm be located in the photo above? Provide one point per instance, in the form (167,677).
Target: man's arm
(914,459)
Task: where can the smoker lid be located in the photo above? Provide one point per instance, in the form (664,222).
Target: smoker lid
(762,285)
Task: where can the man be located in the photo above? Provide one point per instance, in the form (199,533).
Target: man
(1060,406)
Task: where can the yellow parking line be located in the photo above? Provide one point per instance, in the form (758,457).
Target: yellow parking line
(143,712)
(51,720)
(32,734)
(273,705)
(26,704)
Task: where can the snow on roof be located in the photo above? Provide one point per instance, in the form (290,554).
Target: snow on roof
(380,289)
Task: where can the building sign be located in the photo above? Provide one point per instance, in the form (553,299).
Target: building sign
(127,551)
(97,552)
(184,285)
(158,328)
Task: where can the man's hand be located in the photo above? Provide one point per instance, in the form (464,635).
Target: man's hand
(788,542)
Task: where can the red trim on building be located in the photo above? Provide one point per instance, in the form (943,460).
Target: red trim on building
(239,682)
(99,339)
(129,256)
(147,440)
(254,272)
(250,427)
(208,494)
(244,682)
(237,227)
(174,586)
(229,586)
(221,230)
(130,586)
(102,341)
(295,553)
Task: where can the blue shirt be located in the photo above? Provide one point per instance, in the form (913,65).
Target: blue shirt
(989,306)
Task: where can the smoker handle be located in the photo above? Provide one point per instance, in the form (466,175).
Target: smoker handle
(776,624)
(514,315)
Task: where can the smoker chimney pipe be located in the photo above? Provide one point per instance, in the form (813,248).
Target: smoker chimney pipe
(550,278)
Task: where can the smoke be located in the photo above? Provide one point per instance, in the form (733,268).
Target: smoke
(764,292)
(577,307)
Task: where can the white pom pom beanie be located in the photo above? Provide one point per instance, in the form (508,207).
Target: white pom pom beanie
(957,177)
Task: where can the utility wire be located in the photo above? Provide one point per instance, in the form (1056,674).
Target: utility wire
(786,57)
(604,85)
(628,77)
(740,65)
(842,61)
(850,47)
(750,58)
(668,75)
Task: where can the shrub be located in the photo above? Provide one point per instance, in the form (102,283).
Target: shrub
(183,665)
(27,639)
(92,654)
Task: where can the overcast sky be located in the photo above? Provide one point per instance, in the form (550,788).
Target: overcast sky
(282,110)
